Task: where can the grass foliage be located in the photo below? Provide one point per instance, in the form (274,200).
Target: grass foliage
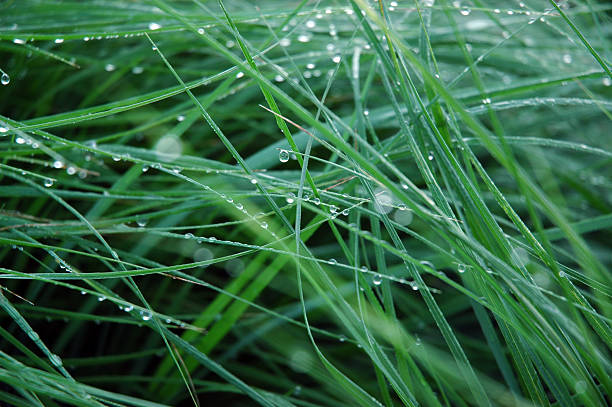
(305,203)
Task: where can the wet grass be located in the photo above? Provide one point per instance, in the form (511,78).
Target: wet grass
(305,203)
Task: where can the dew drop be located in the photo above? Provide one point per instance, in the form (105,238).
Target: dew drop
(332,262)
(5,79)
(607,81)
(128,308)
(48,182)
(58,40)
(201,31)
(465,11)
(56,360)
(567,58)
(180,118)
(264,225)
(311,24)
(336,59)
(253,181)
(58,164)
(71,170)
(154,26)
(109,67)
(430,156)
(364,269)
(461,268)
(377,279)
(283,156)
(3,130)
(101,298)
(189,236)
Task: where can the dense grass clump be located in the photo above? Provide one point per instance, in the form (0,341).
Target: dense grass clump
(305,203)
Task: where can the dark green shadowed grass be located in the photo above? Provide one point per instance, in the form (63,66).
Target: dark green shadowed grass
(305,203)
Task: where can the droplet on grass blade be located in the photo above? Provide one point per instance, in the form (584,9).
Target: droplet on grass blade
(283,156)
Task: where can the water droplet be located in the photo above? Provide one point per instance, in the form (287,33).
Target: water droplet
(332,262)
(180,118)
(345,212)
(83,292)
(486,101)
(311,24)
(377,279)
(101,298)
(333,209)
(428,264)
(128,308)
(201,31)
(20,140)
(284,42)
(580,386)
(430,156)
(189,236)
(71,170)
(414,285)
(607,81)
(3,130)
(109,67)
(303,38)
(48,182)
(5,79)
(239,75)
(264,225)
(56,360)
(283,156)
(154,26)
(290,198)
(366,112)
(146,315)
(567,58)
(18,41)
(58,40)
(342,338)
(316,201)
(137,70)
(465,11)
(336,59)
(253,181)
(461,268)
